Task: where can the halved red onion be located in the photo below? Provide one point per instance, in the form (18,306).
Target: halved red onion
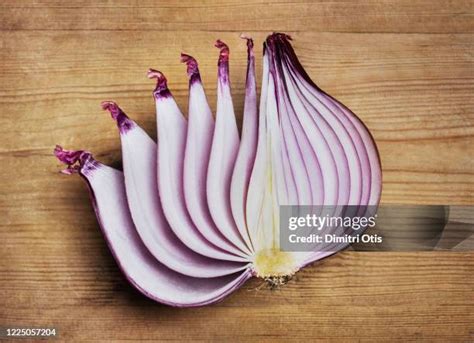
(198,214)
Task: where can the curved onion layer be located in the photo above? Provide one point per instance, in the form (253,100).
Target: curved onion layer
(196,214)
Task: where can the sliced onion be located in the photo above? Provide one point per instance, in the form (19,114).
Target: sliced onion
(247,149)
(197,214)
(139,164)
(196,157)
(225,146)
(172,128)
(151,278)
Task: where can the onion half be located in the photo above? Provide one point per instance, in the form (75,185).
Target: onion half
(195,215)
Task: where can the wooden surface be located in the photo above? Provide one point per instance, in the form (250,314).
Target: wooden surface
(405,67)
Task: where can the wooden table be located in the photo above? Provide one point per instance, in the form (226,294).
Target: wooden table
(405,67)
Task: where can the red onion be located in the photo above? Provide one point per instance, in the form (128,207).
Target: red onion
(194,216)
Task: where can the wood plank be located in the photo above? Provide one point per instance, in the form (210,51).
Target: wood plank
(333,16)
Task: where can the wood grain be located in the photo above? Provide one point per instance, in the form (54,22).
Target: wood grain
(405,67)
(233,15)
